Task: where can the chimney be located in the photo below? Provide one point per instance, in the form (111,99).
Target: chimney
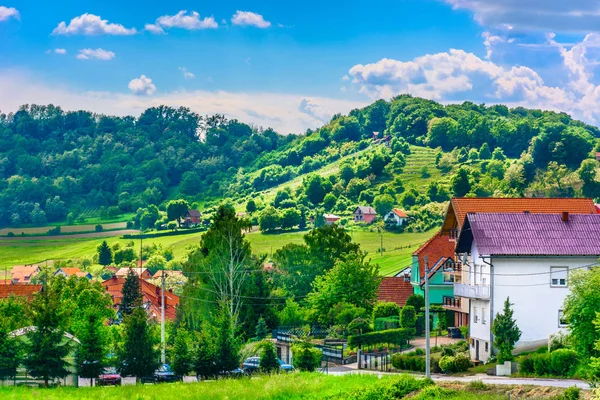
(565,216)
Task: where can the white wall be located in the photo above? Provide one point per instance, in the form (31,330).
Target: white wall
(536,303)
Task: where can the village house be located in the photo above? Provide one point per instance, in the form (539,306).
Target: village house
(330,219)
(19,290)
(151,301)
(395,217)
(364,214)
(143,273)
(527,258)
(24,273)
(68,272)
(192,218)
(395,289)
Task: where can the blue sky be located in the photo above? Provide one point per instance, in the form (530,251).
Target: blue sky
(291,66)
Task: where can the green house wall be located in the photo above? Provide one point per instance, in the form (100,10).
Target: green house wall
(437,288)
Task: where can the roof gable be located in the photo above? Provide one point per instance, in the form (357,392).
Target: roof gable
(394,289)
(365,210)
(505,234)
(399,213)
(193,213)
(19,290)
(439,246)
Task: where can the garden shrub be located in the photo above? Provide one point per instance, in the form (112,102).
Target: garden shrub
(385,323)
(541,364)
(306,357)
(563,362)
(384,309)
(447,351)
(571,393)
(557,341)
(461,346)
(476,386)
(419,352)
(435,365)
(435,393)
(526,365)
(390,336)
(462,363)
(408,362)
(447,364)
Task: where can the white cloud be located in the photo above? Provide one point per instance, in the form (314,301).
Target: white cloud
(186,74)
(248,18)
(556,15)
(182,20)
(90,24)
(142,86)
(313,108)
(9,12)
(56,51)
(277,110)
(99,54)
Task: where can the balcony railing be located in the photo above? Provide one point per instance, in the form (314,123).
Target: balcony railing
(451,303)
(472,291)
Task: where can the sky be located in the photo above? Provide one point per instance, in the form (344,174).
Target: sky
(291,66)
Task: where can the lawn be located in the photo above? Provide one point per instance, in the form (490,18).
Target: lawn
(289,387)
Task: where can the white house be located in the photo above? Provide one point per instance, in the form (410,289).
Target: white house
(395,217)
(527,258)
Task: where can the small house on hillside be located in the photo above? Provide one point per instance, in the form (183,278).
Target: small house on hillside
(192,218)
(364,214)
(68,272)
(331,219)
(598,156)
(24,273)
(395,217)
(140,272)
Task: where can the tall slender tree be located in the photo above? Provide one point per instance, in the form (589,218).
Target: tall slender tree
(506,332)
(140,355)
(10,352)
(90,356)
(132,293)
(47,347)
(104,254)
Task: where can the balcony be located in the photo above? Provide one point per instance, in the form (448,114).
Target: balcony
(452,303)
(472,291)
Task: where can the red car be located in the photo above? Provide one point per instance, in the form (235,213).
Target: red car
(109,376)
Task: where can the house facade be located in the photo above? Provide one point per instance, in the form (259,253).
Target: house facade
(143,273)
(192,218)
(24,273)
(68,272)
(395,217)
(364,214)
(330,219)
(527,258)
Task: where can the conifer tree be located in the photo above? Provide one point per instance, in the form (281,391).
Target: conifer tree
(268,358)
(90,357)
(227,346)
(261,329)
(10,352)
(104,254)
(139,357)
(204,362)
(132,293)
(506,333)
(182,352)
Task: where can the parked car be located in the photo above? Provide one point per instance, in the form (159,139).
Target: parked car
(109,376)
(164,373)
(252,365)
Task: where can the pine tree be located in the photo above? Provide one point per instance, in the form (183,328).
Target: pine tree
(227,346)
(139,357)
(90,357)
(182,353)
(261,329)
(205,360)
(268,358)
(506,333)
(132,293)
(46,349)
(10,352)
(104,254)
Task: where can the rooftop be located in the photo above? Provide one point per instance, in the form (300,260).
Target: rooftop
(366,210)
(394,289)
(399,213)
(19,290)
(532,234)
(439,246)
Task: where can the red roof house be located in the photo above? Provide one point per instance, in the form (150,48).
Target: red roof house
(192,218)
(394,289)
(395,217)
(331,219)
(19,290)
(364,214)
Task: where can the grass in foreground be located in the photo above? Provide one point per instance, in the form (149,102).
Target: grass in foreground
(291,387)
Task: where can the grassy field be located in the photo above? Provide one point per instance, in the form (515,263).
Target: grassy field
(64,228)
(290,387)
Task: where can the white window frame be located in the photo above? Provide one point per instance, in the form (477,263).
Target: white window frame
(557,272)
(561,318)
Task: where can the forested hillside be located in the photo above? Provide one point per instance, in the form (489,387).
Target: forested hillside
(407,151)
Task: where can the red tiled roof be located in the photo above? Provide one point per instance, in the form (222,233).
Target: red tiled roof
(19,290)
(394,289)
(464,205)
(193,213)
(435,248)
(399,213)
(71,271)
(366,210)
(151,294)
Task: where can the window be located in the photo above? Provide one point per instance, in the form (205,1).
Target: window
(558,276)
(483,316)
(475,316)
(487,346)
(448,278)
(562,322)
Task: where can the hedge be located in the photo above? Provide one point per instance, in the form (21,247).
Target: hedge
(561,362)
(390,336)
(457,363)
(412,362)
(160,234)
(382,324)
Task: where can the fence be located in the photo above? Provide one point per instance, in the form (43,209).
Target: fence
(376,361)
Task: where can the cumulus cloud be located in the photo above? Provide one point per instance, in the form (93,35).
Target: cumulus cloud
(313,108)
(248,18)
(186,74)
(258,108)
(557,15)
(99,54)
(142,86)
(56,51)
(90,24)
(9,12)
(182,20)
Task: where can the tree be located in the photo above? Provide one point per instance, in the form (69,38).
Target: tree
(11,351)
(250,206)
(269,219)
(461,184)
(46,348)
(417,301)
(383,204)
(306,356)
(176,209)
(506,332)
(313,188)
(328,244)
(183,356)
(484,152)
(155,263)
(262,331)
(132,293)
(329,201)
(498,154)
(384,309)
(104,254)
(227,345)
(90,357)
(408,317)
(290,218)
(205,362)
(140,356)
(268,358)
(580,310)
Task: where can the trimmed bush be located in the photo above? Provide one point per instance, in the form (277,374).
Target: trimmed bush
(306,357)
(419,352)
(526,365)
(447,364)
(541,364)
(447,351)
(571,393)
(563,362)
(382,324)
(384,309)
(408,363)
(390,336)
(462,363)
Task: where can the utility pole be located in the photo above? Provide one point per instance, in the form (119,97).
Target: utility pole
(427,333)
(162,319)
(141,250)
